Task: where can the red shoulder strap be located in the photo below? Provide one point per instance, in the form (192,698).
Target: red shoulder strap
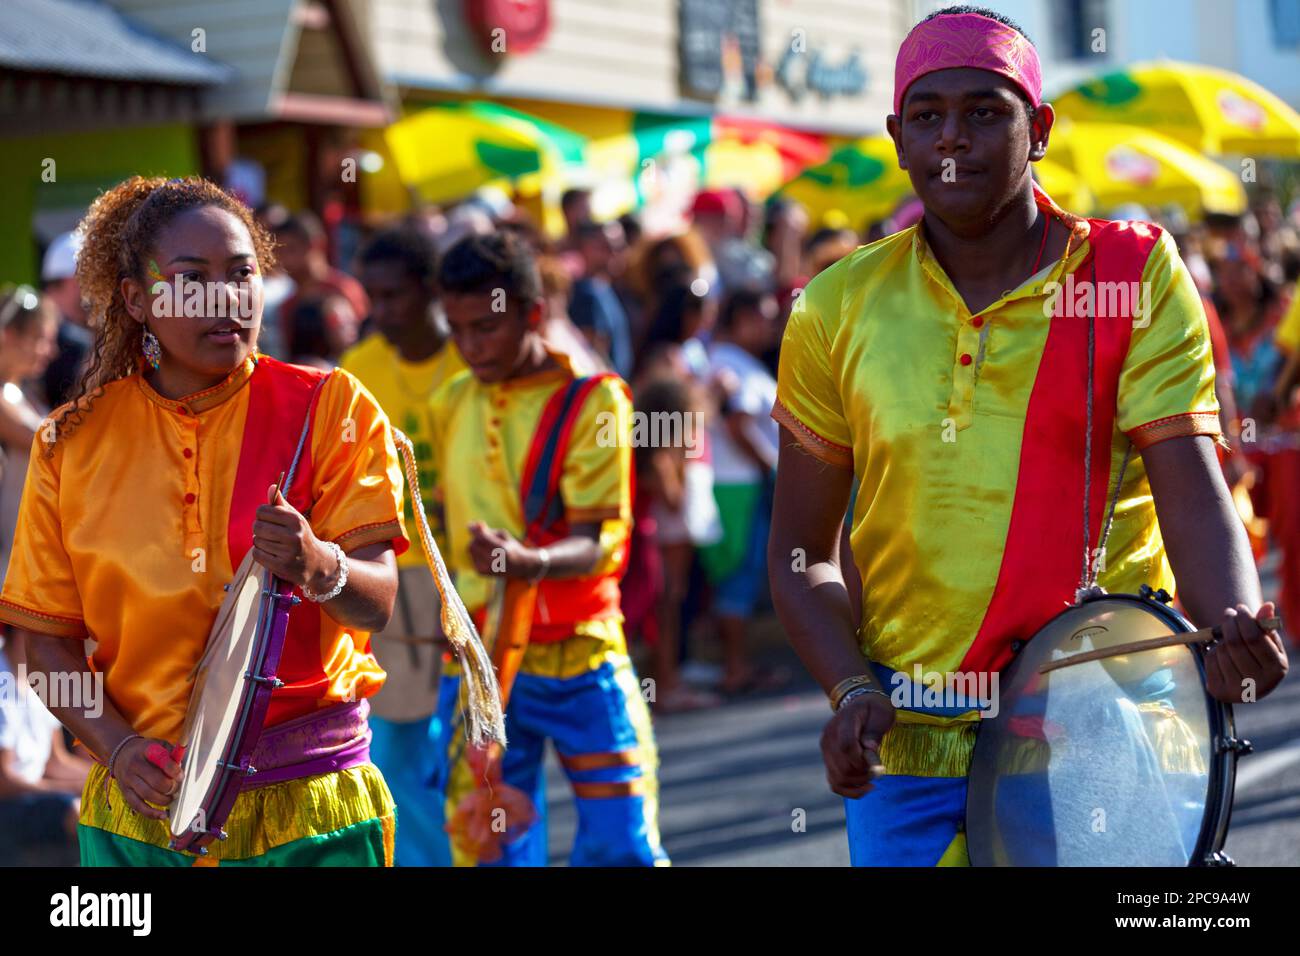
(540,483)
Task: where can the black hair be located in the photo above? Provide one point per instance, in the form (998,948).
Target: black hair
(968,8)
(670,319)
(485,263)
(308,330)
(303,224)
(741,300)
(411,248)
(571,196)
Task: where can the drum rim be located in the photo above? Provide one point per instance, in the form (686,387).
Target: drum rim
(241,743)
(1222,768)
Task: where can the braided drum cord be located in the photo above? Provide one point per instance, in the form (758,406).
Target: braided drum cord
(482,697)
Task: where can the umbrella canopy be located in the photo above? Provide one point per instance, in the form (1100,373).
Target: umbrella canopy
(445,152)
(1210,110)
(1125,164)
(1068,190)
(861,180)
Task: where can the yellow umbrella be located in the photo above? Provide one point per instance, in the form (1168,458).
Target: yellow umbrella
(861,181)
(1125,164)
(1211,110)
(1068,190)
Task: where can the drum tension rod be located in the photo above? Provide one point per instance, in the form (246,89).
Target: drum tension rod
(1219,858)
(247,769)
(275,682)
(1238,745)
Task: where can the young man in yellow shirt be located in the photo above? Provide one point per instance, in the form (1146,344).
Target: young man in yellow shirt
(934,367)
(536,472)
(402,363)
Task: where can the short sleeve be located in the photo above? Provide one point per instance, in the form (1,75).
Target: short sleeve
(808,400)
(596,483)
(1166,387)
(1288,330)
(40,589)
(357,476)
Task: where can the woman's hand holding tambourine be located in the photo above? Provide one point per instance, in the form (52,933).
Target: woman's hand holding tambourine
(147,776)
(851,743)
(1248,661)
(285,545)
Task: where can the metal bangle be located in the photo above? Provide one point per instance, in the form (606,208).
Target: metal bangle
(858,692)
(335,591)
(545,557)
(112,759)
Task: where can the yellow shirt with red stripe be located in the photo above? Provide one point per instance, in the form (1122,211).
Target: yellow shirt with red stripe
(966,433)
(482,436)
(403,390)
(1288,330)
(123,537)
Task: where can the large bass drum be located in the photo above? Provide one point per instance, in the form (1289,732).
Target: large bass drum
(1122,761)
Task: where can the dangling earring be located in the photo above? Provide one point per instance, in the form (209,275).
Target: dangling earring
(151,348)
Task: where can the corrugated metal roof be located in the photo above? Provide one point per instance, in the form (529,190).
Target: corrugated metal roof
(89,38)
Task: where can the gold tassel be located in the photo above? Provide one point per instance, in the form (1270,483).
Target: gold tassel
(1176,746)
(483,719)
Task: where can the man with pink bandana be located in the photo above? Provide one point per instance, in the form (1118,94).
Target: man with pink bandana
(936,367)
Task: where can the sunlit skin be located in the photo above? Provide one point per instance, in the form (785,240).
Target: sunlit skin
(984,229)
(209,244)
(498,344)
(401,307)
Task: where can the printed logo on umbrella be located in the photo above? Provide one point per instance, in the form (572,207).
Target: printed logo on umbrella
(1237,109)
(1128,165)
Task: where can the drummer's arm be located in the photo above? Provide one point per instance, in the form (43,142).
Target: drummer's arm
(98,725)
(1211,559)
(804,557)
(366,603)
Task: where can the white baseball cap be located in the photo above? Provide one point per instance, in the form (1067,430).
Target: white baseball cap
(61,257)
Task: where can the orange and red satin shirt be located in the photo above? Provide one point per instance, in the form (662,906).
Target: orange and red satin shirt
(132,525)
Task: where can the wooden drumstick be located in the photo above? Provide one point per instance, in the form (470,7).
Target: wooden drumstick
(1206,635)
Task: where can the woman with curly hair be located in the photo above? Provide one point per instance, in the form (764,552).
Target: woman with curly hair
(149,488)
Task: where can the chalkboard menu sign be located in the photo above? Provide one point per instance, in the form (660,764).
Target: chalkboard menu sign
(707,27)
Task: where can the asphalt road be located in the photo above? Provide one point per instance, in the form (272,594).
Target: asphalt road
(737,781)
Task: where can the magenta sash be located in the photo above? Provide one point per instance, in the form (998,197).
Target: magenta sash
(326,741)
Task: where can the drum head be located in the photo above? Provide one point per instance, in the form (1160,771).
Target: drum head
(1106,763)
(216,698)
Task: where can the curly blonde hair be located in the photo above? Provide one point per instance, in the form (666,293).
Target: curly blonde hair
(117,234)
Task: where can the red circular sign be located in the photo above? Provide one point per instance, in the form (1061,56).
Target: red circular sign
(509,26)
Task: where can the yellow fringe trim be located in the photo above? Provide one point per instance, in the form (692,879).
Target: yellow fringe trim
(261,819)
(923,749)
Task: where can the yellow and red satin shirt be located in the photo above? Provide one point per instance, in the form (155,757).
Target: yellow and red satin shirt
(403,390)
(1288,330)
(125,533)
(966,434)
(482,436)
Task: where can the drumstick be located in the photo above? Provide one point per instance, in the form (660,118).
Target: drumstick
(1205,635)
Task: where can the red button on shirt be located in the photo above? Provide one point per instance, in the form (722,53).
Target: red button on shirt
(189,499)
(965,359)
(977,322)
(188,453)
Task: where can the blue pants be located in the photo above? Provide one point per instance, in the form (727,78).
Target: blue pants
(601,728)
(909,821)
(407,754)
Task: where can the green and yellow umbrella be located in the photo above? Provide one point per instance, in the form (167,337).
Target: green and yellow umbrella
(860,181)
(1124,164)
(447,151)
(1207,109)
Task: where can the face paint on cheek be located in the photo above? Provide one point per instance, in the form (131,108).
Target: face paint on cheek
(160,280)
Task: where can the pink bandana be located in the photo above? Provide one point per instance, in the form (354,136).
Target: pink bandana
(967,40)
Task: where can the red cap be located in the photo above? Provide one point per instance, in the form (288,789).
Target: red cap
(716,202)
